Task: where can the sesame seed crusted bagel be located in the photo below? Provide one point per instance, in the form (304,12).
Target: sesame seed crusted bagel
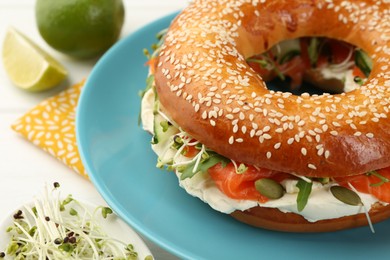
(206,86)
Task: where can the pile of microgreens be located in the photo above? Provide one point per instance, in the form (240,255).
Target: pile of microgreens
(55,228)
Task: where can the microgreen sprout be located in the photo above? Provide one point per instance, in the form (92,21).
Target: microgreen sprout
(242,168)
(262,62)
(73,212)
(382,178)
(147,54)
(155,46)
(161,34)
(358,80)
(54,228)
(106,211)
(239,168)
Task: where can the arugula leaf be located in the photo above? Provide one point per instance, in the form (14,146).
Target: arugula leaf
(303,194)
(203,166)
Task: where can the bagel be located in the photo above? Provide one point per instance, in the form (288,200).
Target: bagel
(273,219)
(207,89)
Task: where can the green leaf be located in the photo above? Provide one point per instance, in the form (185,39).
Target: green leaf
(32,231)
(289,56)
(149,85)
(34,210)
(66,201)
(161,34)
(363,61)
(203,166)
(313,51)
(12,248)
(106,211)
(66,247)
(147,53)
(73,212)
(164,125)
(303,194)
(242,168)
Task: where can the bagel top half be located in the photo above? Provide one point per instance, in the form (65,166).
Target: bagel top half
(205,85)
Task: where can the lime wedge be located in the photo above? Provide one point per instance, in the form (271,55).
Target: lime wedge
(27,65)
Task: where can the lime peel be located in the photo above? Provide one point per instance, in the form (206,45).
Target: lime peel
(82,29)
(28,66)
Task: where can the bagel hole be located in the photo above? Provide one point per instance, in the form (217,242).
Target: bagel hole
(314,65)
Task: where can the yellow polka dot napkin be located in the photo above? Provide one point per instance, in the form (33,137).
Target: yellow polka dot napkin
(51,126)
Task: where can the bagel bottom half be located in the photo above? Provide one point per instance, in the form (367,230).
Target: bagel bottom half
(274,219)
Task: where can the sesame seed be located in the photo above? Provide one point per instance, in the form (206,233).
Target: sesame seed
(327,154)
(204,115)
(266,128)
(279,130)
(261,139)
(267,136)
(197,107)
(235,128)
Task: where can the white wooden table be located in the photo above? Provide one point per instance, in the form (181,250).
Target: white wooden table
(24,168)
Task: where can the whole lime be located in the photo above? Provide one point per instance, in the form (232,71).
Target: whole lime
(80,28)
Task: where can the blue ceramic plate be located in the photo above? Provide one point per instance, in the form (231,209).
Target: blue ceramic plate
(117,154)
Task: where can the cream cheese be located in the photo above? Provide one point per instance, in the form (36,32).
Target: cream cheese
(147,111)
(345,76)
(321,203)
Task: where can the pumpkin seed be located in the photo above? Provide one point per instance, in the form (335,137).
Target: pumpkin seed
(346,195)
(269,188)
